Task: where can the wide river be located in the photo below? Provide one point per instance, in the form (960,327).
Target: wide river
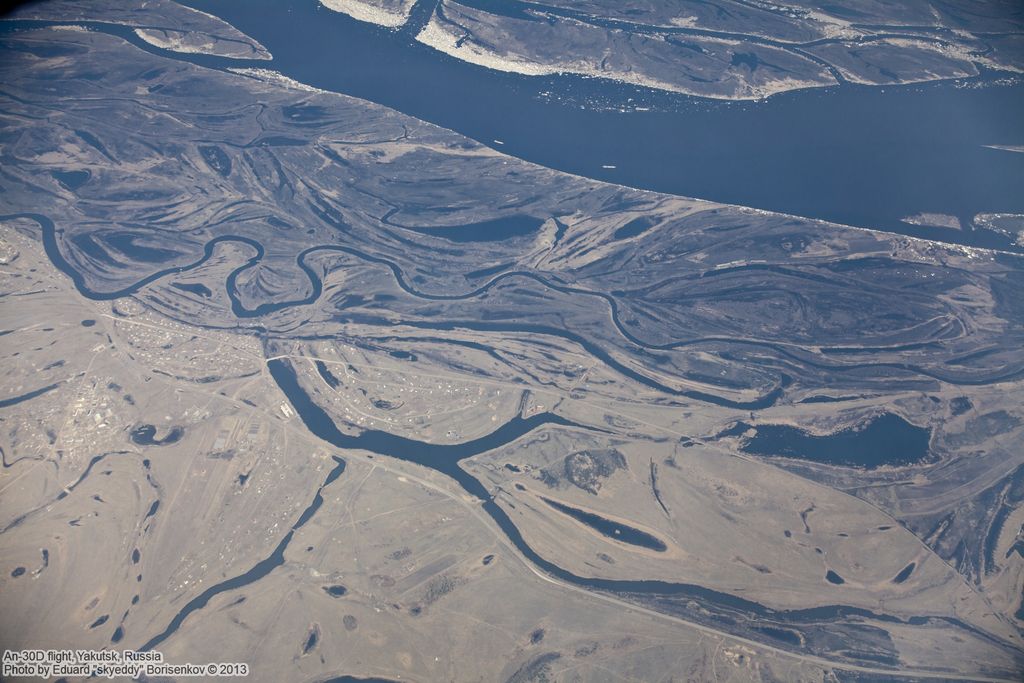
(852,154)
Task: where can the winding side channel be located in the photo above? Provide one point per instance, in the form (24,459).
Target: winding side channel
(721,607)
(722,610)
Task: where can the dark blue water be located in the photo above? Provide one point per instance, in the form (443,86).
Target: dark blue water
(26,397)
(195,288)
(129,244)
(311,641)
(445,459)
(72,180)
(484,231)
(609,528)
(781,634)
(819,154)
(442,458)
(635,227)
(145,435)
(327,375)
(904,573)
(886,440)
(254,573)
(852,154)
(52,237)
